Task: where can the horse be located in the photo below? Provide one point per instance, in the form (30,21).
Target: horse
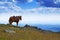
(14,19)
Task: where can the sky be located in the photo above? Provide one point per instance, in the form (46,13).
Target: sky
(32,11)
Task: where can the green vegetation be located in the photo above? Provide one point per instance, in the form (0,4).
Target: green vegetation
(26,33)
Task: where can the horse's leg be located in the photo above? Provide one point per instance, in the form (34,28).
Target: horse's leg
(10,22)
(17,23)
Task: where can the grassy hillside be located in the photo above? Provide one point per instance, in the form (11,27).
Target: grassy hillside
(26,33)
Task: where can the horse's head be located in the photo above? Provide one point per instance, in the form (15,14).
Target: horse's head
(20,17)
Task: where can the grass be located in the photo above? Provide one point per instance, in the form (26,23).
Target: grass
(26,33)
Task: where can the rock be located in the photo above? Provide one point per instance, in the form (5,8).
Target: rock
(9,31)
(27,25)
(32,27)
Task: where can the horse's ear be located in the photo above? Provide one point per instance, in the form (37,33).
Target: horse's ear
(13,16)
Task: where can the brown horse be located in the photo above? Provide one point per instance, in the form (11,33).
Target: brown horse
(15,19)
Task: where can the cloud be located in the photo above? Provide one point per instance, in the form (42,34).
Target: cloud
(21,1)
(36,15)
(41,15)
(14,0)
(52,3)
(9,7)
(56,1)
(29,0)
(45,10)
(32,18)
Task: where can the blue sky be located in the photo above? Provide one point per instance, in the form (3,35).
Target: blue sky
(38,3)
(31,11)
(27,4)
